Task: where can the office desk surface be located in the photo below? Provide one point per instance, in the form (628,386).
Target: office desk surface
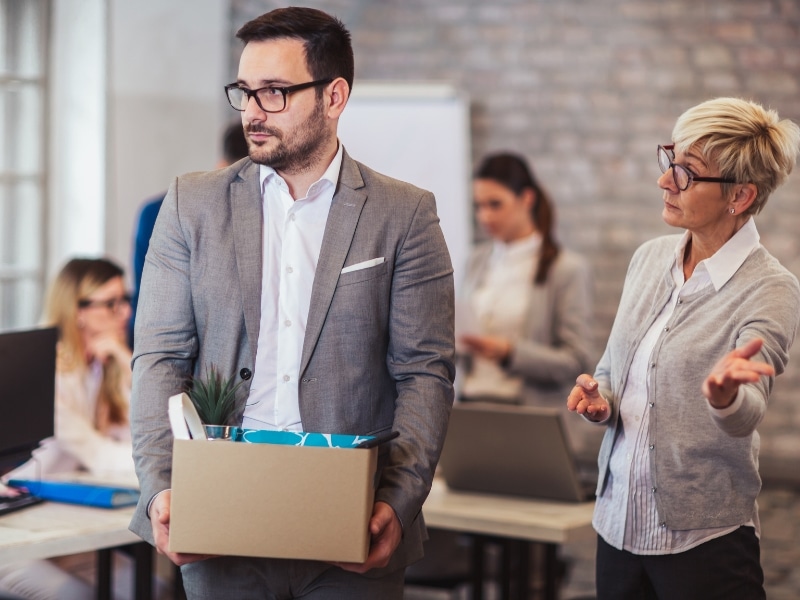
(55,529)
(506,516)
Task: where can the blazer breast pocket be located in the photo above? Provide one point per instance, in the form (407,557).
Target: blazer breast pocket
(365,274)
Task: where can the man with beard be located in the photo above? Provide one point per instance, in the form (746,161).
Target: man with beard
(325,287)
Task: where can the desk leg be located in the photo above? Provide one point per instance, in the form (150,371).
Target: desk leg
(143,559)
(104,574)
(477,567)
(507,548)
(523,569)
(550,572)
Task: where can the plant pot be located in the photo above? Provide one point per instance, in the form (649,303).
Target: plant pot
(221,432)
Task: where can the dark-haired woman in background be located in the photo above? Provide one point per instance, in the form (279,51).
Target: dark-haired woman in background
(530,299)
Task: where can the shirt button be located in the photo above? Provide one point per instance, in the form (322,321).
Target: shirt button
(286,378)
(651,403)
(653,490)
(288,323)
(662,524)
(289,270)
(245,373)
(292,217)
(652,447)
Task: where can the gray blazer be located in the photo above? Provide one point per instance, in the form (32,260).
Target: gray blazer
(378,348)
(555,341)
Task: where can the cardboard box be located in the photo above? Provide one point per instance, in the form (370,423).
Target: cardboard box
(271,500)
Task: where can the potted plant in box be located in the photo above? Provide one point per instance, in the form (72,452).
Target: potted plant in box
(214,397)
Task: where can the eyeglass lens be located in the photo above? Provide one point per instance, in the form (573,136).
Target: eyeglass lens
(680,175)
(112,304)
(269,99)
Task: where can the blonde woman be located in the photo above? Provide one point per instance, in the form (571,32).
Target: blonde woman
(91,308)
(704,325)
(88,304)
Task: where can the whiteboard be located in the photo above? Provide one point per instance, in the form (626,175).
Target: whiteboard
(419,133)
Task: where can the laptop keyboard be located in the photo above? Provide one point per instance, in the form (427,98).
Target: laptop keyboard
(9,504)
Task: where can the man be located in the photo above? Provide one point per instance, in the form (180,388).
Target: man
(326,286)
(234,147)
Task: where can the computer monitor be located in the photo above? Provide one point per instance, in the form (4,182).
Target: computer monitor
(27,392)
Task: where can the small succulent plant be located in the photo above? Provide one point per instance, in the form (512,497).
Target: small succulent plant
(214,397)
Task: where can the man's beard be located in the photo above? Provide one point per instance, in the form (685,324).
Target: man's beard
(297,150)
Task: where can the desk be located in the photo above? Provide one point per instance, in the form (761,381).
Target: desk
(510,518)
(55,529)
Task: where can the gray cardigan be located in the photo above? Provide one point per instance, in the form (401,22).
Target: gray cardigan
(704,467)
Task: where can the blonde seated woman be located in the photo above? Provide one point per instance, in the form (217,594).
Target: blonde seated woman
(89,305)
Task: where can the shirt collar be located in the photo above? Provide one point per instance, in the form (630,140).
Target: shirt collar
(522,247)
(330,175)
(726,261)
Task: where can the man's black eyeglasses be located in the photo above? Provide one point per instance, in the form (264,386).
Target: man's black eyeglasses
(682,176)
(271,99)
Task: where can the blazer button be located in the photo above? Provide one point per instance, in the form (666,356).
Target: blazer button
(245,374)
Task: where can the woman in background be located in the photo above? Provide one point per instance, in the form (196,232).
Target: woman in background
(89,305)
(525,327)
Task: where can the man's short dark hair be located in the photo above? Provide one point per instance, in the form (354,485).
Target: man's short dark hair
(329,51)
(234,144)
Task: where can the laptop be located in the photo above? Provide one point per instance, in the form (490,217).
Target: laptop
(27,401)
(511,450)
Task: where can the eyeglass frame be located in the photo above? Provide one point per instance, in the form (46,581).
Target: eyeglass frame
(284,90)
(112,304)
(669,151)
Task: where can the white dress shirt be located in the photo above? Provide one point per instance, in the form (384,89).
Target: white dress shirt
(293,231)
(501,305)
(626,516)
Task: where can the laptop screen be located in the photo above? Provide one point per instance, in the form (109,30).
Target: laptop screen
(27,392)
(510,450)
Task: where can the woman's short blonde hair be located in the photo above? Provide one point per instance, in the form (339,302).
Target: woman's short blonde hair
(748,143)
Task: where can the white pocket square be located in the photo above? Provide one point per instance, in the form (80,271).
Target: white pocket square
(363,265)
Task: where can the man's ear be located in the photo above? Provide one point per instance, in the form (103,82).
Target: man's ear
(338,93)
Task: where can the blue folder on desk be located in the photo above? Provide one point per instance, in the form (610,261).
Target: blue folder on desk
(103,496)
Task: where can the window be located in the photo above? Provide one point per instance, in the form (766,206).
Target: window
(23,214)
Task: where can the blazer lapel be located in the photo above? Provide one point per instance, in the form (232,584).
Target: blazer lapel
(339,230)
(247,218)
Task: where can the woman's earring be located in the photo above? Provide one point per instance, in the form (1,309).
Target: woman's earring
(733,211)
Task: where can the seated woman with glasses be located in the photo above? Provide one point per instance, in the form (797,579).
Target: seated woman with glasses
(88,304)
(704,325)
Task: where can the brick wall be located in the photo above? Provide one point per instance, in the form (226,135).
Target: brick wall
(586,89)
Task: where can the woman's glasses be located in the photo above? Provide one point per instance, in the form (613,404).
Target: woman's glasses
(682,176)
(112,304)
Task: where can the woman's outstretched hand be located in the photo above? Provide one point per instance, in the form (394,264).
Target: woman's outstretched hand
(585,399)
(732,370)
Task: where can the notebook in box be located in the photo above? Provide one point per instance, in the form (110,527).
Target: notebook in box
(511,450)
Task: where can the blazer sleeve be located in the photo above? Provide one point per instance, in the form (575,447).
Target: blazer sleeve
(420,360)
(166,344)
(570,318)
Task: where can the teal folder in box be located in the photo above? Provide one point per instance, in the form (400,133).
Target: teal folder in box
(103,496)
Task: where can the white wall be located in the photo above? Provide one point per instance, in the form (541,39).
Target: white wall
(77,158)
(166,68)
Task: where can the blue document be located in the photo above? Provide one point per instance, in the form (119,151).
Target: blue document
(103,496)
